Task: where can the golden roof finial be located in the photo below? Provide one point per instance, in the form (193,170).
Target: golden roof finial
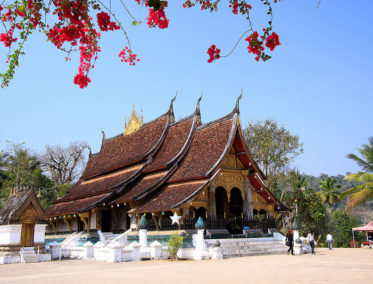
(133,123)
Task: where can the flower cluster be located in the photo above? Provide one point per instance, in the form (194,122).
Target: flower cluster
(128,56)
(7,39)
(19,13)
(75,30)
(242,5)
(81,80)
(188,4)
(103,21)
(214,53)
(255,45)
(75,27)
(272,41)
(157,17)
(205,4)
(18,18)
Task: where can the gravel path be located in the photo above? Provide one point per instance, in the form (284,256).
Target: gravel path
(337,266)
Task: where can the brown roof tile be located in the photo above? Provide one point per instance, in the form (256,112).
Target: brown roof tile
(171,196)
(16,203)
(72,207)
(98,185)
(122,150)
(208,145)
(175,140)
(144,184)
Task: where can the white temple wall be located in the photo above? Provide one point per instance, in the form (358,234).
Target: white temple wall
(39,233)
(10,234)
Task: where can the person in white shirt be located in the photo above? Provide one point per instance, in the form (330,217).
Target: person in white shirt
(311,241)
(329,239)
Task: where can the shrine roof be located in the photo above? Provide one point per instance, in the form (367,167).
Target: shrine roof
(123,150)
(16,203)
(177,136)
(98,185)
(172,196)
(146,183)
(72,207)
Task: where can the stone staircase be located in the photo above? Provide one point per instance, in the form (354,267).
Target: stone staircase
(109,236)
(28,255)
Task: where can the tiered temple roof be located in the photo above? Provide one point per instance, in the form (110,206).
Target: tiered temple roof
(160,166)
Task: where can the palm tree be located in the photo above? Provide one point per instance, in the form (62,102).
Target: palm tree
(363,192)
(329,191)
(298,181)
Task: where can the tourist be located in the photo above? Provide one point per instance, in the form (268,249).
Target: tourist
(329,239)
(289,242)
(311,241)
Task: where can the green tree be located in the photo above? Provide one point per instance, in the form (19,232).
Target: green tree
(341,231)
(21,170)
(273,148)
(363,192)
(174,243)
(298,181)
(3,173)
(329,191)
(306,203)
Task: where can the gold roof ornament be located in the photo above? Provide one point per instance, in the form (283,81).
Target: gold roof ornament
(134,123)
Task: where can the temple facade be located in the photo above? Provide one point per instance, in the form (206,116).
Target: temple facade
(167,167)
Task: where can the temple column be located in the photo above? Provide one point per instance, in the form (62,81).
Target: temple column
(211,212)
(133,223)
(248,202)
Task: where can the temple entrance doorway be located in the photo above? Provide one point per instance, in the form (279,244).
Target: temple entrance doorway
(235,210)
(235,203)
(201,212)
(262,214)
(221,201)
(80,225)
(28,217)
(27,235)
(106,221)
(256,214)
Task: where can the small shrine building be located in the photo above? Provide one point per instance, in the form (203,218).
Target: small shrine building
(164,167)
(22,226)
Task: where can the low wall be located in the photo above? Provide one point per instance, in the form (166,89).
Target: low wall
(248,247)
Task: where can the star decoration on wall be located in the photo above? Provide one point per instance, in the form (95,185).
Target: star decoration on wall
(175,218)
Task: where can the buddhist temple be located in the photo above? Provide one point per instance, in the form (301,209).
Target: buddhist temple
(166,167)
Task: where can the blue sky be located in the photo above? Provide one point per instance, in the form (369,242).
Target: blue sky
(318,84)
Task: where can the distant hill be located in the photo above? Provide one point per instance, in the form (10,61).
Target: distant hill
(315,181)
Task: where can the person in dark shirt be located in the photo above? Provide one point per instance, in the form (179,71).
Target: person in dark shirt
(289,242)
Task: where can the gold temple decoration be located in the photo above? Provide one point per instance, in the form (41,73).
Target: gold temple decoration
(134,122)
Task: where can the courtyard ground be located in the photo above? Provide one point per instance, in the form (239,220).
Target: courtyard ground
(336,266)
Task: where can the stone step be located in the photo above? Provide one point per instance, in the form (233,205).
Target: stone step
(30,258)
